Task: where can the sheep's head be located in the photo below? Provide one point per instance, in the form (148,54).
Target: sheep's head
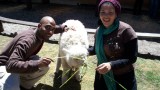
(76,56)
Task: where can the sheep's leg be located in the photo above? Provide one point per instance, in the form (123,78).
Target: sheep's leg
(78,77)
(66,69)
(58,64)
(65,75)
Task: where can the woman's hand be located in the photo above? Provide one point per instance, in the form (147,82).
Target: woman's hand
(104,68)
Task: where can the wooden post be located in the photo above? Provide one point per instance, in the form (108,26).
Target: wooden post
(19,1)
(45,1)
(138,7)
(1,27)
(29,4)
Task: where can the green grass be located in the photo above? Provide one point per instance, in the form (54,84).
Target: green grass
(147,71)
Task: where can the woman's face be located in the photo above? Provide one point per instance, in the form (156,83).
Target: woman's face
(107,14)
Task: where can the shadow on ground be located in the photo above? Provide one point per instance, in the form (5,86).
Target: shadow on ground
(41,86)
(72,84)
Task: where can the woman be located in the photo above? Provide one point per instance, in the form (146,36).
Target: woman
(115,48)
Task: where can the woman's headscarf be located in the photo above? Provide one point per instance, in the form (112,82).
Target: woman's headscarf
(115,3)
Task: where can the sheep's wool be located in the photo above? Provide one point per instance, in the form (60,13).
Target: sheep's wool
(76,34)
(73,47)
(74,43)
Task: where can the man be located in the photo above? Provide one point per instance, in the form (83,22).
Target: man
(19,64)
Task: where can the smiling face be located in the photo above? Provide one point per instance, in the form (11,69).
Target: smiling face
(107,14)
(46,28)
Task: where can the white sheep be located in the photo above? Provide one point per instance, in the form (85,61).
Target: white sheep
(73,47)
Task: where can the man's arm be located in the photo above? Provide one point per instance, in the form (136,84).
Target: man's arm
(59,29)
(18,62)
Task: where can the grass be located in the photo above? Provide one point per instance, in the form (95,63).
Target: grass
(148,75)
(147,72)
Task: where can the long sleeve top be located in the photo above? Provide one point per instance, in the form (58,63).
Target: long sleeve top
(120,48)
(16,54)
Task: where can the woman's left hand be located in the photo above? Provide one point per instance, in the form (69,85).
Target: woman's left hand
(104,68)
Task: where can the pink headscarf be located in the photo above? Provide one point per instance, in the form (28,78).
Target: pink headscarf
(115,3)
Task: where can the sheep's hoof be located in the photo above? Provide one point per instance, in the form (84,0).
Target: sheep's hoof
(78,79)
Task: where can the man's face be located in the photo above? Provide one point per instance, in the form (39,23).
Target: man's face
(46,30)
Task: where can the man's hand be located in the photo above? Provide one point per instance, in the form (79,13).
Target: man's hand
(66,28)
(44,62)
(104,68)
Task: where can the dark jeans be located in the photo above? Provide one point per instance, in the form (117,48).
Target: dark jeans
(127,80)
